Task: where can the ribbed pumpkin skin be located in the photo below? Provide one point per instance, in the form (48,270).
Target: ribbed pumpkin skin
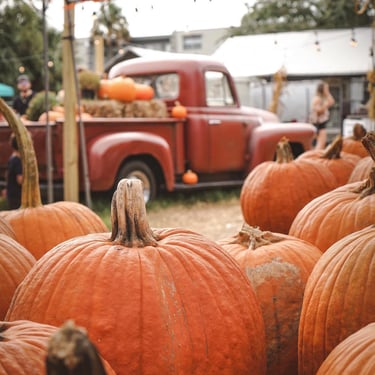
(273,193)
(40,228)
(15,263)
(353,356)
(5,228)
(23,347)
(182,307)
(355,147)
(278,271)
(341,167)
(362,169)
(339,298)
(333,215)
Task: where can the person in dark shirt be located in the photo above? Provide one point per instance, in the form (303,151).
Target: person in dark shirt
(22,100)
(14,177)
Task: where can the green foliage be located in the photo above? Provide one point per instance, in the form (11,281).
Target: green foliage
(113,26)
(88,80)
(37,105)
(267,16)
(21,44)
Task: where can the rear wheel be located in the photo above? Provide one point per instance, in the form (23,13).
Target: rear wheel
(141,171)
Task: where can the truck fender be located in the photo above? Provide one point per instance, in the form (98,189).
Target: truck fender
(107,153)
(264,139)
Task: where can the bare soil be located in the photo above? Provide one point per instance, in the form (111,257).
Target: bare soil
(216,220)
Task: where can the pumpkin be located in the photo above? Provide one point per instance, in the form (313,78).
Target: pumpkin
(339,212)
(122,89)
(190,177)
(160,301)
(353,356)
(5,227)
(178,110)
(339,298)
(143,91)
(353,144)
(15,263)
(275,191)
(362,169)
(340,163)
(70,351)
(52,116)
(278,267)
(23,348)
(39,227)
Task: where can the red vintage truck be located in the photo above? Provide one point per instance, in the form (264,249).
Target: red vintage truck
(220,140)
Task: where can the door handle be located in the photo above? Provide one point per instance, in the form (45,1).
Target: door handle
(214,122)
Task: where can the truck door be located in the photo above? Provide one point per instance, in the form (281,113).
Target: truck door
(226,127)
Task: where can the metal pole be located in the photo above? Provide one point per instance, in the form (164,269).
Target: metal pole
(46,104)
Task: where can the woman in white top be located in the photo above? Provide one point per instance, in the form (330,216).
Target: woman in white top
(321,103)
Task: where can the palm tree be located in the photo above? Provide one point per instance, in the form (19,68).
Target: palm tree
(112,26)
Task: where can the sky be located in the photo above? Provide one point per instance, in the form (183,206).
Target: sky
(155,17)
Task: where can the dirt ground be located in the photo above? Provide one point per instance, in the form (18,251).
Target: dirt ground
(214,220)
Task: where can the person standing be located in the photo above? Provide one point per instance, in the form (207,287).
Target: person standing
(320,114)
(25,94)
(14,176)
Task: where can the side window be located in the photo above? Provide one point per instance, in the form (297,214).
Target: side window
(218,91)
(166,86)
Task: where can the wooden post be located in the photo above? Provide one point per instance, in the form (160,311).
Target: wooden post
(99,54)
(70,133)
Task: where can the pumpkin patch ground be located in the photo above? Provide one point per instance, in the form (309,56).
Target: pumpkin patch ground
(216,220)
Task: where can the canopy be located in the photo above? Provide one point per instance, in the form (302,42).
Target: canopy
(311,53)
(6,91)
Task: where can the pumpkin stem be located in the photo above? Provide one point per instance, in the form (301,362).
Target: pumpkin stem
(253,237)
(71,352)
(128,215)
(369,142)
(284,152)
(359,131)
(368,186)
(333,151)
(30,186)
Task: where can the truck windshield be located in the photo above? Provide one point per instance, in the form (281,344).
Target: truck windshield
(218,91)
(166,86)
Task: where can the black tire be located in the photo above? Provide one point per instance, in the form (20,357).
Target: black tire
(141,171)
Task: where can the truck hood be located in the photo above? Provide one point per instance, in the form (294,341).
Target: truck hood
(264,115)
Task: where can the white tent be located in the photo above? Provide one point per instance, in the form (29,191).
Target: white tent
(309,53)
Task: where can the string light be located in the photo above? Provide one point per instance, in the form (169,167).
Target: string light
(317,44)
(353,41)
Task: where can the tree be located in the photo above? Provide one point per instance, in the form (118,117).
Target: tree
(267,16)
(21,45)
(112,25)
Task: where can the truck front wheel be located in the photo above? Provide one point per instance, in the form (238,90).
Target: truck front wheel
(141,171)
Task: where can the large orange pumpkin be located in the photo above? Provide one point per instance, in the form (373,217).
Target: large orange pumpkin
(278,267)
(163,301)
(353,356)
(39,227)
(275,191)
(15,263)
(339,298)
(340,163)
(337,213)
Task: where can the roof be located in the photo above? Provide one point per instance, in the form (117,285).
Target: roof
(264,54)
